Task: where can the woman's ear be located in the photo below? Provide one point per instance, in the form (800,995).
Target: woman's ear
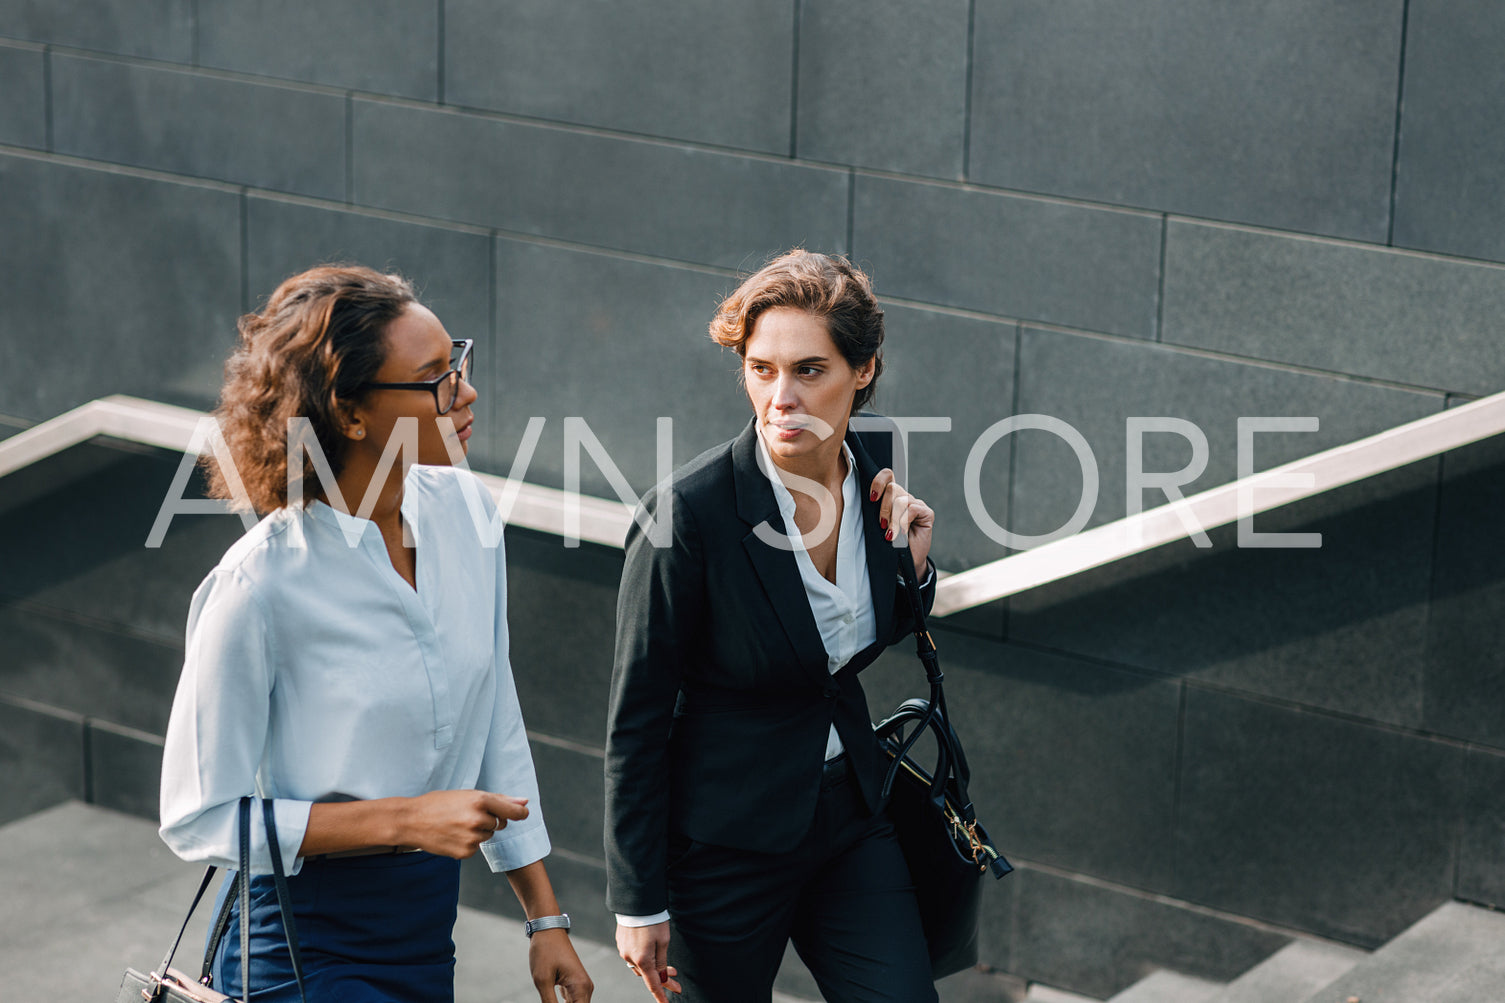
(352,424)
(865,372)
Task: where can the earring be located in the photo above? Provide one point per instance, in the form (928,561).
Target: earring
(360,433)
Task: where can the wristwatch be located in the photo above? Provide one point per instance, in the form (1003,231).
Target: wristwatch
(560,922)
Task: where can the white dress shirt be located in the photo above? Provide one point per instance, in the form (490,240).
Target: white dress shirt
(843,610)
(314,672)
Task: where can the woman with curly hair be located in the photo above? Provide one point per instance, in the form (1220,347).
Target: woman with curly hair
(347,659)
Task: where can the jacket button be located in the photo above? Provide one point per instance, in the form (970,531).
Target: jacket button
(830,694)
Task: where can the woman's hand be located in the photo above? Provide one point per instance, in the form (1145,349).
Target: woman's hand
(553,962)
(449,823)
(646,951)
(456,823)
(900,512)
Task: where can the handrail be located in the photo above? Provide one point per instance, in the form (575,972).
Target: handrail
(169,427)
(606,522)
(1219,506)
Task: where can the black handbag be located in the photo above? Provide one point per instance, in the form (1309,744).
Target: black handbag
(947,848)
(168,985)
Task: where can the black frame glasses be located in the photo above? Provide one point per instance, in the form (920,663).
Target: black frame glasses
(461,371)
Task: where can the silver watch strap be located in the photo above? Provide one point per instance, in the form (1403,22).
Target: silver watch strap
(560,922)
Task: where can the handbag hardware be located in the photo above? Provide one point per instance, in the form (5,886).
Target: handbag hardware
(166,984)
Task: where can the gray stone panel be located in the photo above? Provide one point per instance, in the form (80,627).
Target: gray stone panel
(397,52)
(928,355)
(106,574)
(41,758)
(562,611)
(1095,939)
(87,669)
(23,114)
(1481,863)
(1073,764)
(884,85)
(1281,114)
(1322,824)
(125,769)
(998,922)
(1409,318)
(264,135)
(1095,385)
(1449,193)
(450,268)
(635,195)
(1341,627)
(1028,258)
(619,343)
(1465,657)
(570,789)
(83,320)
(158,29)
(687,69)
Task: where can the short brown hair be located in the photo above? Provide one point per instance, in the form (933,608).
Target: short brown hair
(308,353)
(830,287)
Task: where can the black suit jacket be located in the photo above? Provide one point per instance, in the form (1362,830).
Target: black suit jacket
(721,699)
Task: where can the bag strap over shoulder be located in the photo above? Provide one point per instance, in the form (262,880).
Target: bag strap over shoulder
(243,887)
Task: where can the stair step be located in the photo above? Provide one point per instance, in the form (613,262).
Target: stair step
(1454,955)
(1166,986)
(1293,973)
(1046,994)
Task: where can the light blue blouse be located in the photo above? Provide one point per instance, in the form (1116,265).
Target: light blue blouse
(314,672)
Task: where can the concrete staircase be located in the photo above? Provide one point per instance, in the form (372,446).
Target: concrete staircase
(1454,955)
(85,891)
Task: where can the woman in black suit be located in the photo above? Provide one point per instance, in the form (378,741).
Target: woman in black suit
(742,776)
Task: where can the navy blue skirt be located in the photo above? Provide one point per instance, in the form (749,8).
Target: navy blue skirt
(375,929)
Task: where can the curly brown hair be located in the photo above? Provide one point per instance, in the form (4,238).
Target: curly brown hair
(828,286)
(308,353)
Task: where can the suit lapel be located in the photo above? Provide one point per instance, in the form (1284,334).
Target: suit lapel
(882,561)
(774,564)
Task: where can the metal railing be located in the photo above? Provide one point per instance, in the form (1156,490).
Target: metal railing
(166,426)
(605,522)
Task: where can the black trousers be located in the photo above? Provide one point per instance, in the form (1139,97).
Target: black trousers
(843,896)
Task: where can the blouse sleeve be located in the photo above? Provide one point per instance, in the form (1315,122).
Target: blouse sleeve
(217,732)
(507,765)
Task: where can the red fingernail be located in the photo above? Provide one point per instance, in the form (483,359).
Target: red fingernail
(882,523)
(872,496)
(890,535)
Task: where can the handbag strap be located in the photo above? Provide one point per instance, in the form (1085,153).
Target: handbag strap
(243,886)
(217,932)
(925,647)
(197,896)
(284,897)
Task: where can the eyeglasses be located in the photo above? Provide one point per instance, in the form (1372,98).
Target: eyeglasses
(446,388)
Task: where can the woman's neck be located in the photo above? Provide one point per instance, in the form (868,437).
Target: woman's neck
(826,467)
(356,482)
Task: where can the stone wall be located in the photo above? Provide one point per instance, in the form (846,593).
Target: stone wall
(1092,211)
